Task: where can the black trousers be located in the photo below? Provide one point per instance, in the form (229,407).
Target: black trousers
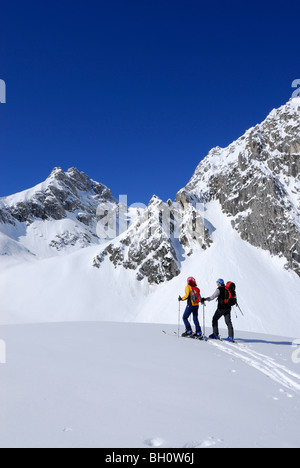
(226,313)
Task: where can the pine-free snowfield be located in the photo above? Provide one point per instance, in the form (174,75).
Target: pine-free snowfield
(129,385)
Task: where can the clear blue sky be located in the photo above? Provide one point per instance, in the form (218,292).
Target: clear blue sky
(136,92)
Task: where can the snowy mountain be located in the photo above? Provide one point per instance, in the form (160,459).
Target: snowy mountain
(55,216)
(257,183)
(157,241)
(237,218)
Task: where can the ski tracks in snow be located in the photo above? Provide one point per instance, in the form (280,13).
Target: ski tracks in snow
(264,364)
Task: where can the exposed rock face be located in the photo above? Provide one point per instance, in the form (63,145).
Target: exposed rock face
(157,241)
(257,181)
(64,196)
(62,193)
(147,246)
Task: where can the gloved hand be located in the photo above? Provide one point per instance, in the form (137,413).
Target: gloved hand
(179,299)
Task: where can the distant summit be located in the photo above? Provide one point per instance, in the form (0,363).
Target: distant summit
(67,201)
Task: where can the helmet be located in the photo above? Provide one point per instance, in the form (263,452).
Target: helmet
(221,282)
(191,279)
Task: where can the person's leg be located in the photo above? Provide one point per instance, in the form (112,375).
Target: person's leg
(196,319)
(229,324)
(215,323)
(186,317)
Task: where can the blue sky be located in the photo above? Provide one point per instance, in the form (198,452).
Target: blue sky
(135,93)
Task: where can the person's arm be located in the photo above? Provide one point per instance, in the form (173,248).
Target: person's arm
(187,293)
(215,295)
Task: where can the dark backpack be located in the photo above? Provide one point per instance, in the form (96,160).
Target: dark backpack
(230,294)
(195,295)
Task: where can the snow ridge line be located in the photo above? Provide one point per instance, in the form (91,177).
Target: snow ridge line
(264,364)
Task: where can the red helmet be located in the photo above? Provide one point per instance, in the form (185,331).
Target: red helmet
(191,279)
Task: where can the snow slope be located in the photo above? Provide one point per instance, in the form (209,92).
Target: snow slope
(267,293)
(129,385)
(69,289)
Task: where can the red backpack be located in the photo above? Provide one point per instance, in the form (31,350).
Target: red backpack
(230,294)
(195,295)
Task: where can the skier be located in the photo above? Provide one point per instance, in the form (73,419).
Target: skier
(193,298)
(224,310)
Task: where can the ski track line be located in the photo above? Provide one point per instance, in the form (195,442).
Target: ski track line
(271,361)
(265,364)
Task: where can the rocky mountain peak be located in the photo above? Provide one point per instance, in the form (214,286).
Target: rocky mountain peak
(158,240)
(61,193)
(257,182)
(69,200)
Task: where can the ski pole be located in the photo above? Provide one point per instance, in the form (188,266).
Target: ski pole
(240,310)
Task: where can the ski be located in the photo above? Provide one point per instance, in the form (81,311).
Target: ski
(224,341)
(204,338)
(197,338)
(171,334)
(236,343)
(215,339)
(175,334)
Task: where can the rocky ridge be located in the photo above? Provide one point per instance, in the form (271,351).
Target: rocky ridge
(157,241)
(257,182)
(68,200)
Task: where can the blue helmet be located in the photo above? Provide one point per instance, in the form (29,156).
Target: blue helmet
(221,282)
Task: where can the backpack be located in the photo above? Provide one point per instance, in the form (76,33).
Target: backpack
(195,295)
(230,294)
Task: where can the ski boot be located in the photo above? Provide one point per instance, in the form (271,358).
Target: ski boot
(197,336)
(214,337)
(187,334)
(230,339)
